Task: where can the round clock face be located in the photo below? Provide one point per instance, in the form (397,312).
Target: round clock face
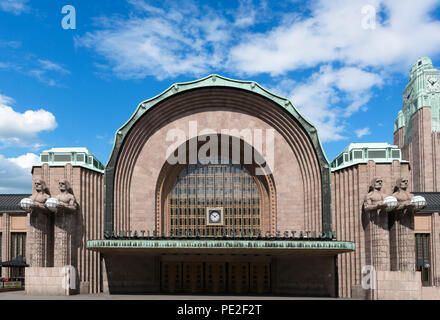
(214,216)
(433,83)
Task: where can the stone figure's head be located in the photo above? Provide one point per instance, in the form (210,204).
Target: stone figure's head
(64,185)
(401,184)
(40,186)
(376,184)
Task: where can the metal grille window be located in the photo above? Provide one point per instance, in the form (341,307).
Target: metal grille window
(377,154)
(44,158)
(357,154)
(423,260)
(18,244)
(62,158)
(395,154)
(201,186)
(80,157)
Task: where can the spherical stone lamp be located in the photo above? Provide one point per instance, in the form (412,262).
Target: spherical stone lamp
(26,203)
(51,204)
(391,203)
(419,202)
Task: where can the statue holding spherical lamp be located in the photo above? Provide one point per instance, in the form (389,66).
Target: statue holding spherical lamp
(402,227)
(65,208)
(40,225)
(376,207)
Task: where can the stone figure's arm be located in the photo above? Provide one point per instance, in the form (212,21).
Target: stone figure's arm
(72,204)
(369,205)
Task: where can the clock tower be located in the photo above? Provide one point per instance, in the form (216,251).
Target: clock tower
(417,127)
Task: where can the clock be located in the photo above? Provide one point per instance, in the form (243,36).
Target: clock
(433,83)
(214,216)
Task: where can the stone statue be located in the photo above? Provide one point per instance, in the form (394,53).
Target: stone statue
(402,229)
(66,199)
(39,229)
(374,199)
(40,197)
(64,228)
(376,227)
(402,195)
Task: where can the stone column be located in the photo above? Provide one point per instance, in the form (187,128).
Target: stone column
(6,243)
(39,230)
(377,240)
(402,241)
(64,254)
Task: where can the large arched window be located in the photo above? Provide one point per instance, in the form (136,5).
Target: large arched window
(228,187)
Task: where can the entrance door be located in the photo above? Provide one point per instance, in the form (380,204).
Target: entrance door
(171,279)
(260,278)
(193,277)
(215,279)
(239,277)
(423,259)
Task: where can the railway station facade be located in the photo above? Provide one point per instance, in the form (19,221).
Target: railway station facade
(218,186)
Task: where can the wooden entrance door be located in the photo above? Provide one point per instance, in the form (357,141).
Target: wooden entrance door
(238,277)
(260,278)
(171,277)
(193,277)
(215,277)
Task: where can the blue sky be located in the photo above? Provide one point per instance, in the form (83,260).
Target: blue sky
(342,67)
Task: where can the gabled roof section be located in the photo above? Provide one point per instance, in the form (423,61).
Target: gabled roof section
(214,80)
(9,202)
(432,200)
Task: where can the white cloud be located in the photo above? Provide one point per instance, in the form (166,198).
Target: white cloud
(15,173)
(363,132)
(21,128)
(333,32)
(165,43)
(16,7)
(328,96)
(352,61)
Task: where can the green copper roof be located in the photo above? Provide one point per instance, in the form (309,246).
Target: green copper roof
(356,153)
(76,156)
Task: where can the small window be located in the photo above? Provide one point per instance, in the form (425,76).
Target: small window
(420,63)
(395,154)
(357,154)
(44,158)
(377,154)
(62,158)
(80,157)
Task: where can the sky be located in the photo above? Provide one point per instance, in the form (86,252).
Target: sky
(72,77)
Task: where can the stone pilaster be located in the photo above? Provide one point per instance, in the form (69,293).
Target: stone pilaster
(65,250)
(402,241)
(377,240)
(6,243)
(39,233)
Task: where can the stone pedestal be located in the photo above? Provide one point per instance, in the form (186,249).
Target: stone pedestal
(55,281)
(377,240)
(402,242)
